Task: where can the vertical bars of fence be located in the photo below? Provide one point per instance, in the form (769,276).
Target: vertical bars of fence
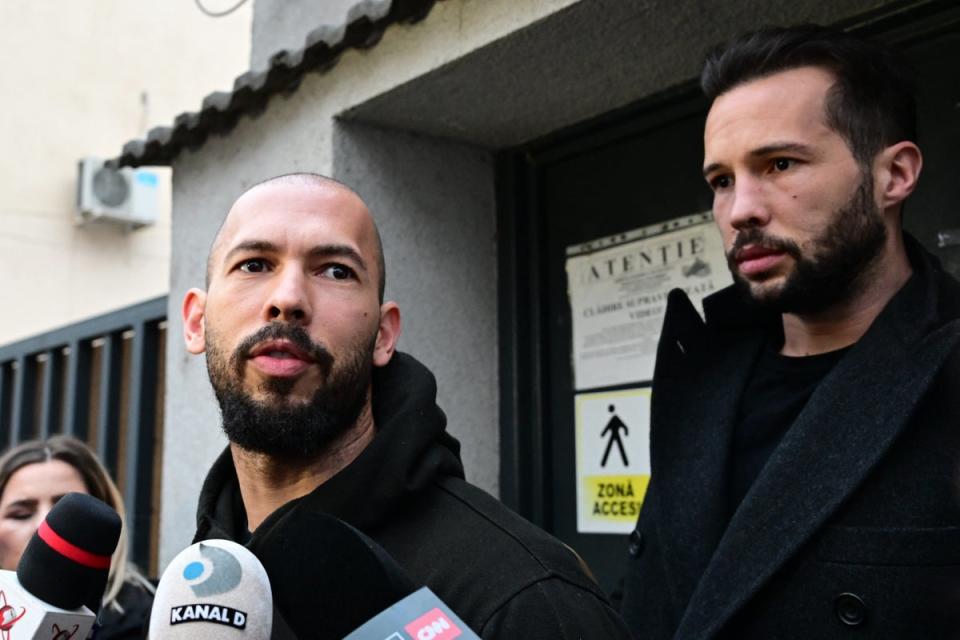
(100,380)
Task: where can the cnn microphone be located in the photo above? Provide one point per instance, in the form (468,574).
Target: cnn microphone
(332,582)
(215,590)
(419,616)
(59,582)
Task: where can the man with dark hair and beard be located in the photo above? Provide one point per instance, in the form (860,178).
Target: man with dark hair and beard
(323,415)
(804,443)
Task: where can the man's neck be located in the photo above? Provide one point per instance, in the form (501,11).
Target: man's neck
(844,324)
(268,482)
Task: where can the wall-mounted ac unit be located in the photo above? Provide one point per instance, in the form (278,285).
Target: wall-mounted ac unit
(125,196)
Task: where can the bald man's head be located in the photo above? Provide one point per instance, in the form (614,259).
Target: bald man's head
(308,180)
(293,320)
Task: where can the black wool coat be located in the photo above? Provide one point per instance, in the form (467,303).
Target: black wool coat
(852,529)
(500,574)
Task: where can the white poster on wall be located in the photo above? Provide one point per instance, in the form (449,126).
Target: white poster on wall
(618,290)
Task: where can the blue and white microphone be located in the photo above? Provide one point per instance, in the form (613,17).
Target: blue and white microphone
(214,589)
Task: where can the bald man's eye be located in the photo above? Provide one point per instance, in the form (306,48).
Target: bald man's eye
(255,265)
(338,272)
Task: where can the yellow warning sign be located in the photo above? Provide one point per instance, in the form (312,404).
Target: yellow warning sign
(613,458)
(615,498)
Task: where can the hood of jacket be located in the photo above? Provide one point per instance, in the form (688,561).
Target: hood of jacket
(411,449)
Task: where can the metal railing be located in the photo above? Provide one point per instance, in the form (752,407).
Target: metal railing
(100,380)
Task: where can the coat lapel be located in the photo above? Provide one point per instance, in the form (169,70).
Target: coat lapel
(846,428)
(691,482)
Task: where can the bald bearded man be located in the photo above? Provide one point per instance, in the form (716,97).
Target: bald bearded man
(324,415)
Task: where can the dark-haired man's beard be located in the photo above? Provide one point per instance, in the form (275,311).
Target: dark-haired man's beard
(276,426)
(830,269)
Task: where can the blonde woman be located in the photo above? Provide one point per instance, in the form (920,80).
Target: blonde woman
(33,476)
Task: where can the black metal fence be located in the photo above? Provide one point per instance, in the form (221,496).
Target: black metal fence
(100,380)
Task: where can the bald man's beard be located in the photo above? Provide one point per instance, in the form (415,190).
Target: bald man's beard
(277,426)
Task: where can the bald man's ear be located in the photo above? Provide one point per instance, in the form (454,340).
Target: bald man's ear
(194,304)
(388,334)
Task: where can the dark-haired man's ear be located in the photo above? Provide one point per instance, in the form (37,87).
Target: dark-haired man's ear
(388,334)
(194,336)
(897,170)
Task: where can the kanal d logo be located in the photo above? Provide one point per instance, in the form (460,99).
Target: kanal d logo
(220,572)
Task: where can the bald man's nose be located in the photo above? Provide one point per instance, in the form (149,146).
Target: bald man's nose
(288,300)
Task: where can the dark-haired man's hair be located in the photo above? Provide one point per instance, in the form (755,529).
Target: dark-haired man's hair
(872,104)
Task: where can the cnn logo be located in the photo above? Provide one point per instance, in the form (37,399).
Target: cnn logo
(433,625)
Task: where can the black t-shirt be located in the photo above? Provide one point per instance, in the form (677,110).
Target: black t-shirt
(776,393)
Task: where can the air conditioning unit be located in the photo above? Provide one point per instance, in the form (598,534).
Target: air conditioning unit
(125,196)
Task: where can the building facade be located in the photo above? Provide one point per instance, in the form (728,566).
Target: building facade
(83,77)
(501,145)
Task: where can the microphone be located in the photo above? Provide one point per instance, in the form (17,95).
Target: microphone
(332,582)
(215,590)
(59,582)
(419,616)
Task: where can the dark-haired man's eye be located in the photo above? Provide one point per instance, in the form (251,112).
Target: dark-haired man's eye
(782,164)
(720,182)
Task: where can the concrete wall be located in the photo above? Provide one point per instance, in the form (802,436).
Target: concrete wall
(81,78)
(434,203)
(412,124)
(585,60)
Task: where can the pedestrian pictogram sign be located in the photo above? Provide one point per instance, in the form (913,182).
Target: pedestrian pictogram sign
(613,459)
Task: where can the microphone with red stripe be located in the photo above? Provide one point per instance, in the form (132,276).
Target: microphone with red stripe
(58,585)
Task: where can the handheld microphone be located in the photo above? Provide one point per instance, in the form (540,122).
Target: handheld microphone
(64,567)
(215,590)
(331,582)
(419,616)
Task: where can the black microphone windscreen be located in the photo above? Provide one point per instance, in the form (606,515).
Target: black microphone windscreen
(67,561)
(327,577)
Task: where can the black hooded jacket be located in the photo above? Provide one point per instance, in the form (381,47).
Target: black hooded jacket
(502,575)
